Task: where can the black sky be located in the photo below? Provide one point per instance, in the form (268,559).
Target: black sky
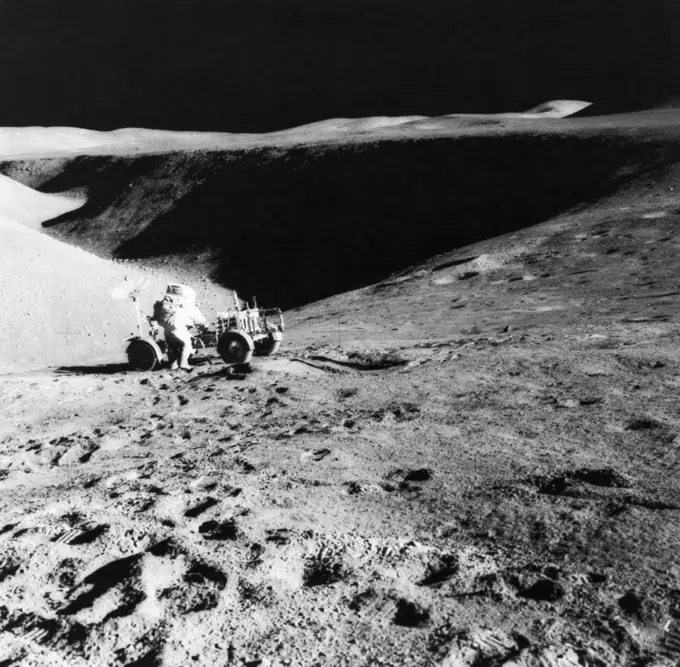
(257,65)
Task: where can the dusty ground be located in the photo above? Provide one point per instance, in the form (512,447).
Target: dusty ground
(473,462)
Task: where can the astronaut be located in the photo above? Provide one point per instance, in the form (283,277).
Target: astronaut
(175,313)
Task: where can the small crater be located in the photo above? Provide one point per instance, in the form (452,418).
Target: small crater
(560,483)
(362,600)
(644,424)
(197,510)
(87,456)
(594,400)
(631,602)
(90,535)
(440,571)
(245,465)
(201,573)
(405,412)
(453,262)
(347,392)
(192,599)
(165,548)
(600,477)
(255,556)
(319,454)
(154,658)
(410,615)
(67,576)
(7,570)
(258,594)
(219,530)
(418,475)
(553,485)
(543,590)
(323,570)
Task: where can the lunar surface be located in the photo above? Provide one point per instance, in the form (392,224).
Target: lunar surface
(465,453)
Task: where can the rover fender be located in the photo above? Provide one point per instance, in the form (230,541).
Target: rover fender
(143,354)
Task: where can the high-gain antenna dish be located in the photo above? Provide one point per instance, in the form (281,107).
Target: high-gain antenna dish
(128,290)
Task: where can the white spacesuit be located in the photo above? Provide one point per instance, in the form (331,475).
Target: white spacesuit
(176,312)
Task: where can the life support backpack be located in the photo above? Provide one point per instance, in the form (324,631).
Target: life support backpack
(165,310)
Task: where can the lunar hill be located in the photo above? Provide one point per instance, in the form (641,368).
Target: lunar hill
(23,204)
(18,141)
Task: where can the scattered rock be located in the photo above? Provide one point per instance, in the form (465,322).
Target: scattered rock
(354,488)
(543,590)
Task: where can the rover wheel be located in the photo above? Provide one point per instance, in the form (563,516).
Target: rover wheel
(235,348)
(142,355)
